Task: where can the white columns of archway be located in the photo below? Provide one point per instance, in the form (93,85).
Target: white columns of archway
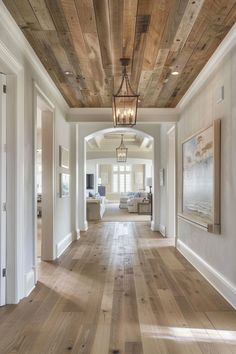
(155,224)
(83,132)
(82,212)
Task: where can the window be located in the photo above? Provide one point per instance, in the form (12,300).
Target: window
(121,178)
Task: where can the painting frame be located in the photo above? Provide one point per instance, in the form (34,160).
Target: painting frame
(207,219)
(64,157)
(64,185)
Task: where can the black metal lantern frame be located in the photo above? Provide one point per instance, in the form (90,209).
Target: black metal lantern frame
(125,101)
(121,151)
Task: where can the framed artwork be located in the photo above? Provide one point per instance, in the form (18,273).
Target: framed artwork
(201,178)
(64,158)
(64,185)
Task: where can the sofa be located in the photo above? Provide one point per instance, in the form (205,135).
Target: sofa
(95,208)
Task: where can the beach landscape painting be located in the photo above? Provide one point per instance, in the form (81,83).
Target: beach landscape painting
(198,176)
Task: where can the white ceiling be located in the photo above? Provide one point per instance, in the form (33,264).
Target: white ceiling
(110,141)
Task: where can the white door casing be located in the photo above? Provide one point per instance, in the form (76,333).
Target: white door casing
(3,215)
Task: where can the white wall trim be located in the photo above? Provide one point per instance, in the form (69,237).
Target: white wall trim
(63,244)
(226,288)
(23,45)
(163,230)
(15,191)
(222,50)
(154,226)
(102,115)
(84,227)
(77,234)
(29,281)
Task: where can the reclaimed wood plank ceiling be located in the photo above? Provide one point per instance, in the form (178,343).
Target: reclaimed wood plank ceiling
(80,43)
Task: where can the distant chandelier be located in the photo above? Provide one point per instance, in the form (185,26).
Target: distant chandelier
(125,101)
(121,151)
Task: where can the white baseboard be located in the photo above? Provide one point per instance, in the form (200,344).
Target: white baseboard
(216,279)
(63,244)
(84,226)
(163,230)
(29,281)
(154,226)
(77,234)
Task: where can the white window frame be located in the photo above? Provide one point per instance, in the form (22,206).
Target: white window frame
(119,173)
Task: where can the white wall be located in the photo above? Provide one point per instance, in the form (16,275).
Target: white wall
(16,47)
(214,254)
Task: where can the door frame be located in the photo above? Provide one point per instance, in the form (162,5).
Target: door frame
(3,192)
(171,202)
(15,282)
(38,93)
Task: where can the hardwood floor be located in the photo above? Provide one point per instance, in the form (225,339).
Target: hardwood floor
(120,289)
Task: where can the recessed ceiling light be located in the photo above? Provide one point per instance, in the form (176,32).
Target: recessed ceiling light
(139,100)
(175,73)
(67,73)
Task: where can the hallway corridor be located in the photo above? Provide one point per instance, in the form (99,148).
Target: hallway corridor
(120,289)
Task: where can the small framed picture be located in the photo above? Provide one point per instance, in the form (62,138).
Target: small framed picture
(64,185)
(64,159)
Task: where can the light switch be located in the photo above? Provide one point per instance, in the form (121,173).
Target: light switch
(220,94)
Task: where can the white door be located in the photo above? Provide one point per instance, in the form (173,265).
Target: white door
(2,189)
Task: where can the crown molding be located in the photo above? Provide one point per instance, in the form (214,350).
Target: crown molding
(24,47)
(223,49)
(103,115)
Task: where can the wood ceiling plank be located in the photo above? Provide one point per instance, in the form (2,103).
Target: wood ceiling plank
(206,34)
(42,14)
(88,37)
(12,8)
(87,20)
(102,90)
(86,15)
(65,38)
(101,9)
(40,51)
(116,26)
(129,22)
(81,48)
(177,58)
(159,74)
(25,10)
(144,12)
(59,53)
(159,17)
(176,13)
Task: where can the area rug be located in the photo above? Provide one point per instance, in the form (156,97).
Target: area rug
(114,213)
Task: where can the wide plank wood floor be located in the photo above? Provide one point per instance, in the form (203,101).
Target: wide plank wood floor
(120,289)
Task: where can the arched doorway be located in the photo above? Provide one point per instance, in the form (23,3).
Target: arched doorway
(83,135)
